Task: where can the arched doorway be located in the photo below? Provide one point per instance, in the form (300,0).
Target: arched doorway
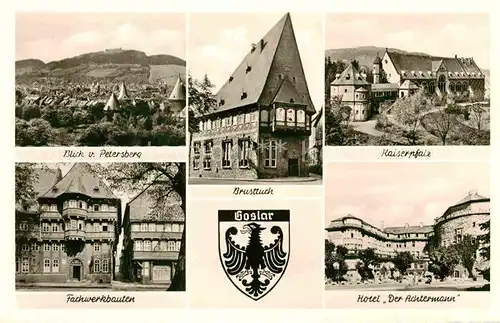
(442,83)
(76,270)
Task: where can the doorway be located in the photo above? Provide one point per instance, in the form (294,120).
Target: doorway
(293,167)
(76,270)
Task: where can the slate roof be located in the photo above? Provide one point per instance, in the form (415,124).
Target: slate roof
(377,60)
(408,85)
(384,86)
(409,229)
(80,179)
(112,103)
(471,197)
(46,178)
(247,83)
(141,206)
(350,76)
(408,62)
(179,91)
(123,92)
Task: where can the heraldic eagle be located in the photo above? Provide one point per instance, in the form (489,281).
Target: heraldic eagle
(254,259)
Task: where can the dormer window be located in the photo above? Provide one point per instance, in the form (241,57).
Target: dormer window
(262,45)
(253,48)
(96,189)
(244,95)
(221,102)
(291,101)
(421,73)
(347,77)
(231,79)
(413,73)
(249,68)
(54,189)
(294,79)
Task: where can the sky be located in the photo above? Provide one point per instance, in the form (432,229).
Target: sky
(218,42)
(400,193)
(467,35)
(54,36)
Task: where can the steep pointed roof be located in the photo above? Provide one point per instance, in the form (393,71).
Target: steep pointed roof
(81,179)
(350,76)
(112,103)
(248,83)
(287,93)
(179,91)
(377,60)
(317,118)
(123,92)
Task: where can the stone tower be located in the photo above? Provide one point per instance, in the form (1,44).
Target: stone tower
(377,66)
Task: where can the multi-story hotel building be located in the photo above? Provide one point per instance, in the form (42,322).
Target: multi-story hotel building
(460,219)
(152,239)
(261,123)
(71,235)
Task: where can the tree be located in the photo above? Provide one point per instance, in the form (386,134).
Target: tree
(484,250)
(443,261)
(408,111)
(31,112)
(442,122)
(403,261)
(368,259)
(201,100)
(335,265)
(466,250)
(355,64)
(337,130)
(167,178)
(477,116)
(36,132)
(96,134)
(25,178)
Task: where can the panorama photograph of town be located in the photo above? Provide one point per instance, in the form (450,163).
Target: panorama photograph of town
(100,79)
(427,229)
(255,112)
(93,226)
(405,79)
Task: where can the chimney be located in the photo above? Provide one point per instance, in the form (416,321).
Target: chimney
(407,225)
(254,46)
(421,224)
(455,55)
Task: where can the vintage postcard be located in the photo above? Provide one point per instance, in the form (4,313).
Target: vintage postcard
(424,233)
(101,228)
(256,110)
(406,79)
(100,79)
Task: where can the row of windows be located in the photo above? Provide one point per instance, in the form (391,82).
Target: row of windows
(56,247)
(157,245)
(52,265)
(73,225)
(158,227)
(244,148)
(227,121)
(79,205)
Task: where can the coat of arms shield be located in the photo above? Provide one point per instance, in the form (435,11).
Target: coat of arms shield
(254,248)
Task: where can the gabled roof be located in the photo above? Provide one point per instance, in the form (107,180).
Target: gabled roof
(350,76)
(408,85)
(287,93)
(123,92)
(112,103)
(143,205)
(254,80)
(178,92)
(80,179)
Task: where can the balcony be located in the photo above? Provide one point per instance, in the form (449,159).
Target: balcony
(155,235)
(155,255)
(50,215)
(74,212)
(74,235)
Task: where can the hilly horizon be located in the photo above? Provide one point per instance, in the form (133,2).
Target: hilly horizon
(366,54)
(115,64)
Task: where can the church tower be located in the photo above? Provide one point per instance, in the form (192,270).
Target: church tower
(377,66)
